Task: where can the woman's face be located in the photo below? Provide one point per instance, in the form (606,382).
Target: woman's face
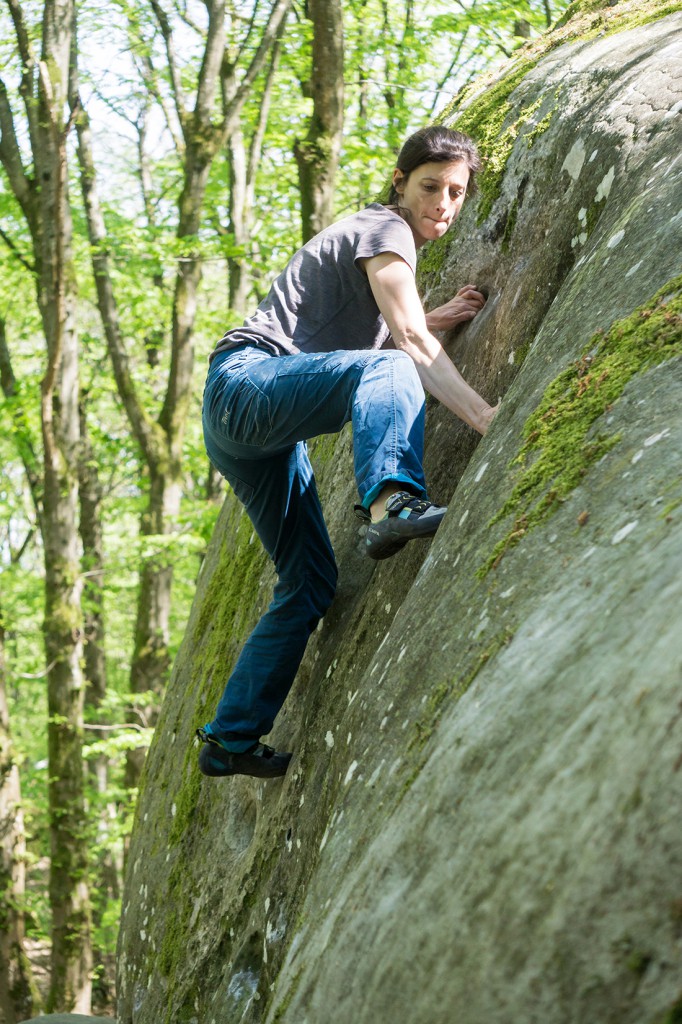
(431,197)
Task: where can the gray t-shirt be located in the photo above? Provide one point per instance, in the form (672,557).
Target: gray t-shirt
(322,300)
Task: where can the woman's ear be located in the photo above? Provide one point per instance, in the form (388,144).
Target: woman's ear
(398,181)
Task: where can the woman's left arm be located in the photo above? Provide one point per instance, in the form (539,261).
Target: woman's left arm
(392,283)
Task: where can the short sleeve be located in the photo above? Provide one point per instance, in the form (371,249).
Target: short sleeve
(389,234)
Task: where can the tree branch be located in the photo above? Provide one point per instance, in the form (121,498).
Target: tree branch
(256,144)
(176,81)
(10,157)
(149,77)
(28,65)
(210,65)
(142,425)
(278,13)
(22,434)
(15,252)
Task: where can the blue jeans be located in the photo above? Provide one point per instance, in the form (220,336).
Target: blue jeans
(259,410)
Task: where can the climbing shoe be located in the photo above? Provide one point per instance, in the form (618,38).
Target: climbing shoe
(259,760)
(406,517)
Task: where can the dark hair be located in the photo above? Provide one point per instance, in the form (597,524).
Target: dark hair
(436,144)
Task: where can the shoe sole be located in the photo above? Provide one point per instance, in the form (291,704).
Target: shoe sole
(391,540)
(218,763)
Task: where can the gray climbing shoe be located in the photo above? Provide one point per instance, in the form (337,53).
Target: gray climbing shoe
(406,518)
(259,760)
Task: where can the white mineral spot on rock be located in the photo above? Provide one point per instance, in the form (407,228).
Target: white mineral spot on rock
(329,740)
(172,738)
(481,471)
(174,810)
(653,438)
(252,538)
(507,593)
(464,516)
(582,215)
(637,456)
(633,270)
(267,904)
(669,169)
(615,240)
(575,158)
(384,720)
(605,184)
(376,773)
(349,738)
(405,724)
(390,706)
(553,538)
(352,696)
(516,297)
(146,816)
(675,109)
(510,358)
(480,628)
(387,607)
(402,654)
(593,155)
(582,237)
(298,844)
(329,672)
(351,772)
(624,532)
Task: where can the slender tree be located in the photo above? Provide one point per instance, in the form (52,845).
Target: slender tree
(41,192)
(317,155)
(18,996)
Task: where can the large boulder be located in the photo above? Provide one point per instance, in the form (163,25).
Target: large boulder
(482,818)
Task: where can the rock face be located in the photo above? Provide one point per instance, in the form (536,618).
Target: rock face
(482,817)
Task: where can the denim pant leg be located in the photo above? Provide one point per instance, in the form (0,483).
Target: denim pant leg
(257,410)
(282,502)
(270,403)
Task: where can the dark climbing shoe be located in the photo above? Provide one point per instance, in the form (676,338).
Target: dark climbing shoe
(406,518)
(259,760)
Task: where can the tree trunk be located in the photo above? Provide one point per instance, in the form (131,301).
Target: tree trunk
(71,951)
(243,169)
(151,660)
(18,997)
(318,155)
(90,496)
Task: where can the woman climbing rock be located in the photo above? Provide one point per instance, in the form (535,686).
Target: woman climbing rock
(341,336)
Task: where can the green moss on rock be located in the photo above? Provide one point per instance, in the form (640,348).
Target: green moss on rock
(484,115)
(559,445)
